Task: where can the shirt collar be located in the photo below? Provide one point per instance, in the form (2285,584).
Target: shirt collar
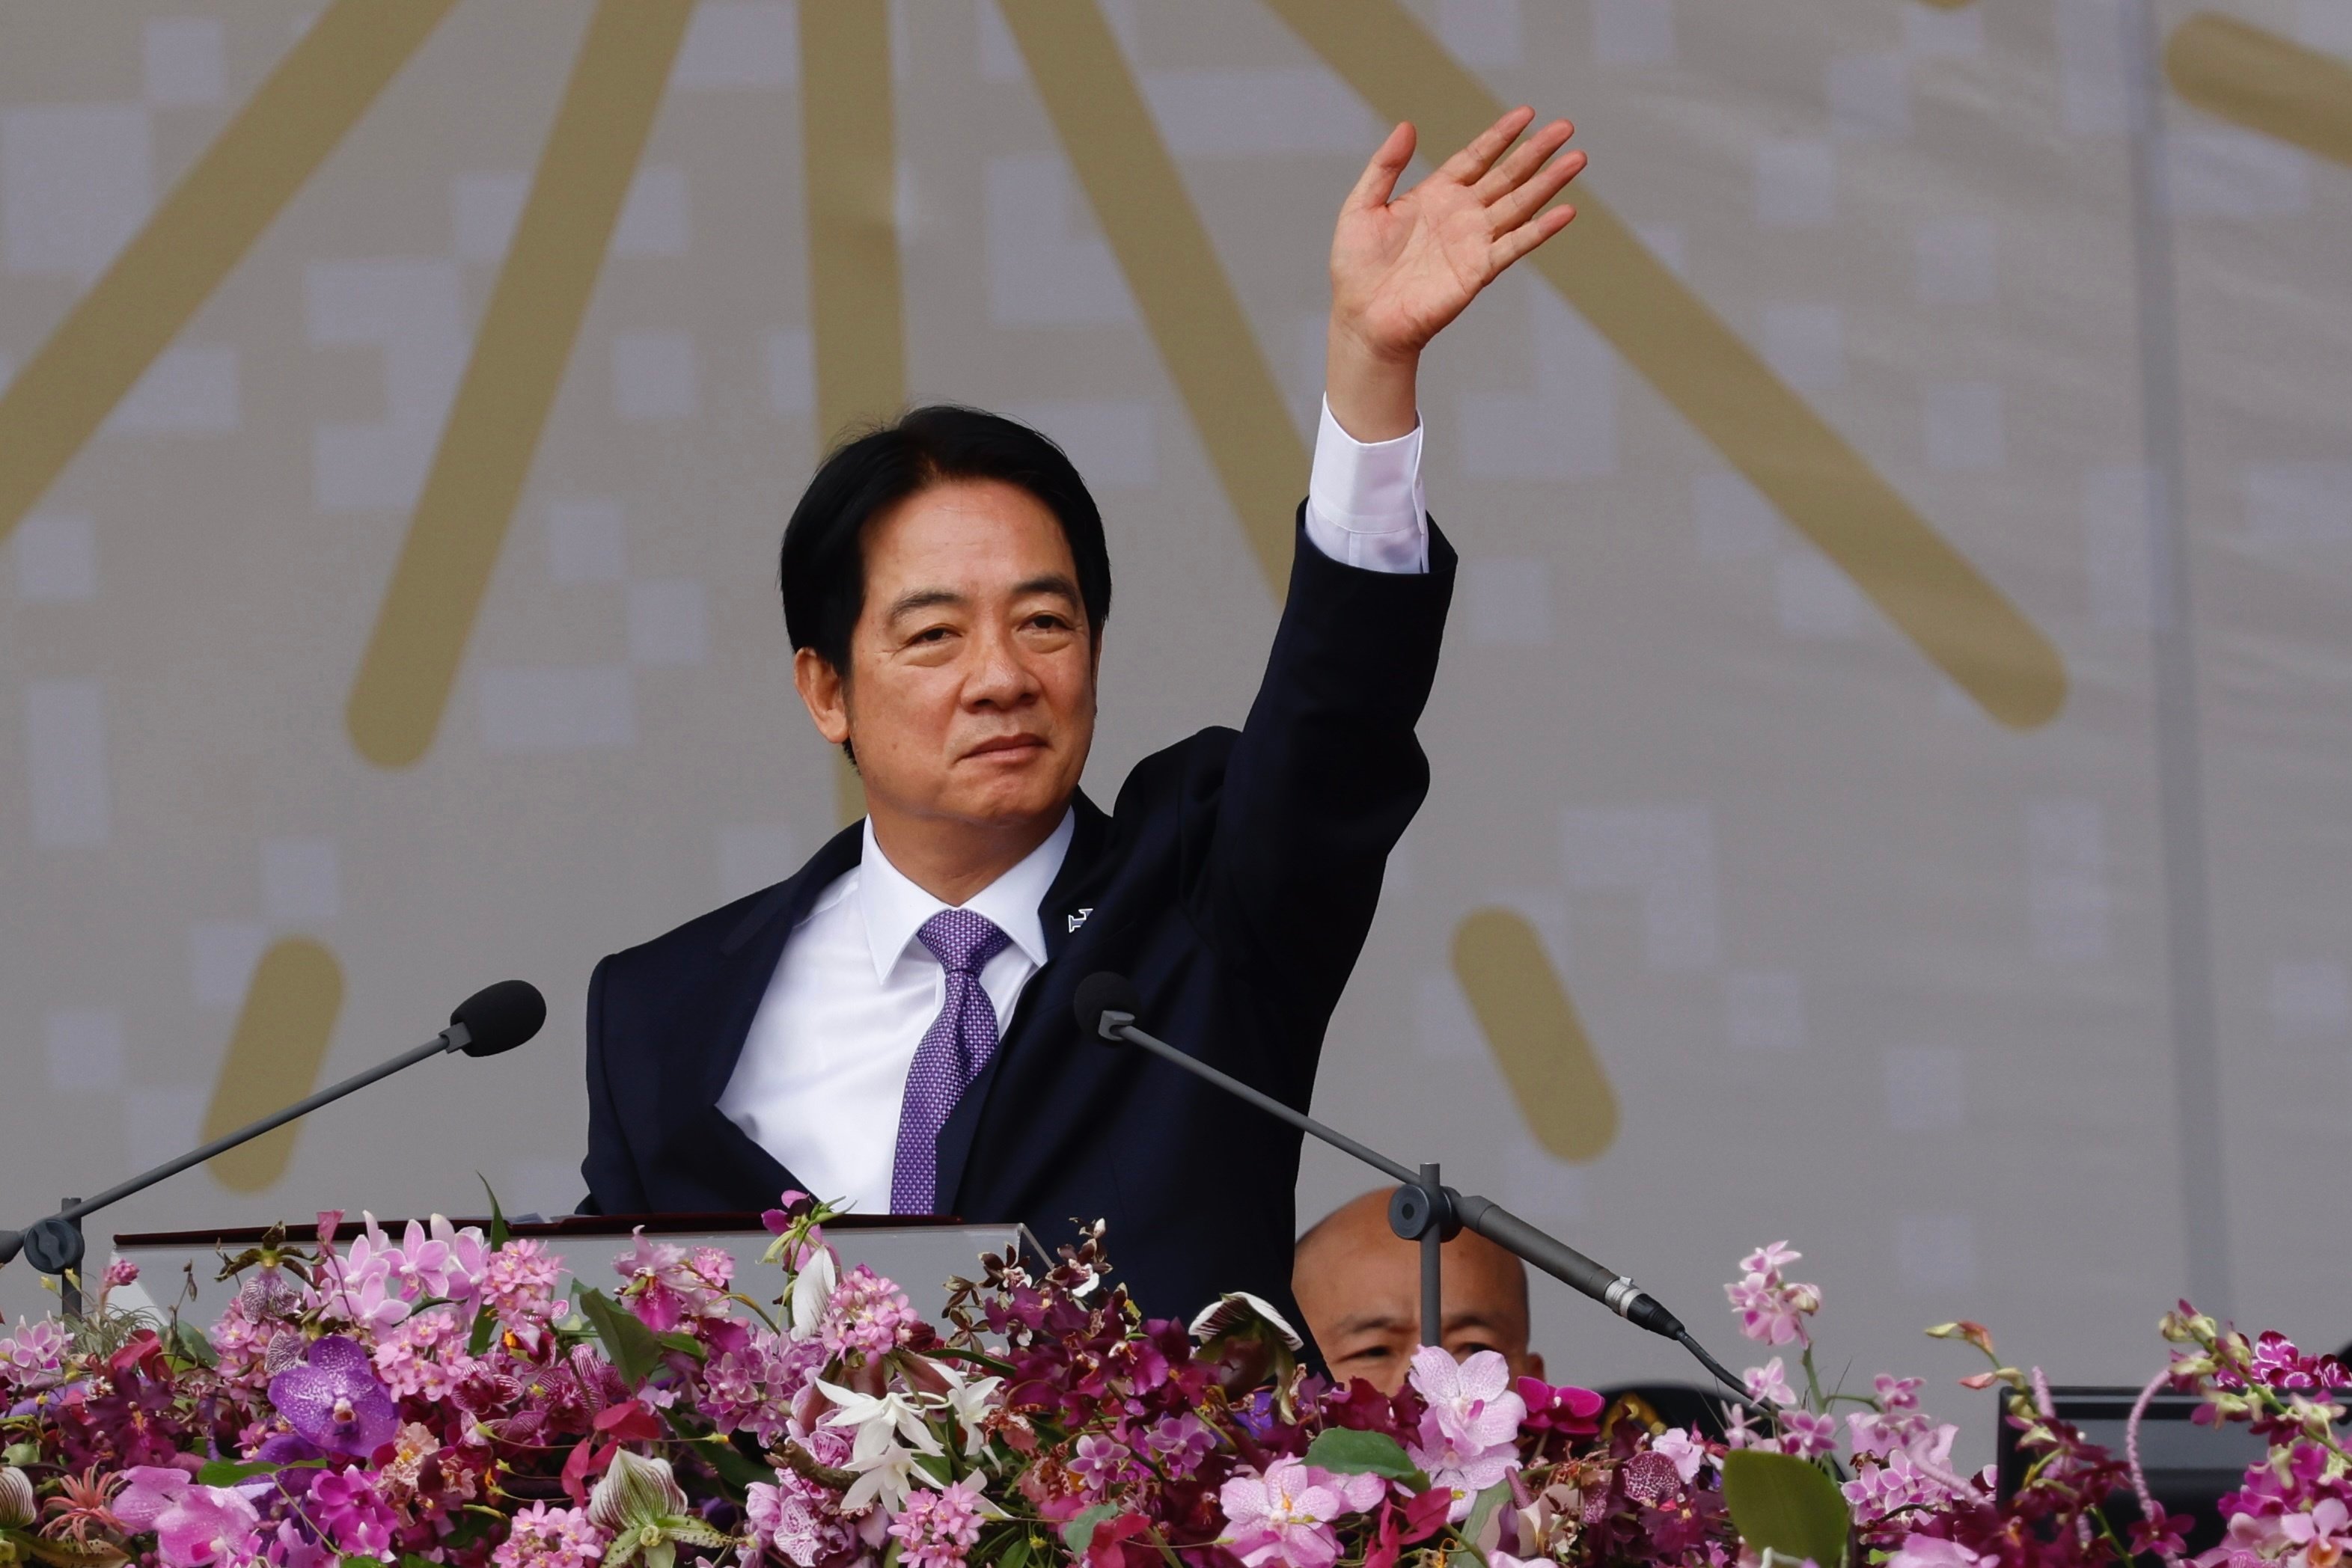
(895,909)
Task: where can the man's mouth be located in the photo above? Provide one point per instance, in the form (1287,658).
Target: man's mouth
(1004,743)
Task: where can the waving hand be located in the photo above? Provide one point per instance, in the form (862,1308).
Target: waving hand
(1403,267)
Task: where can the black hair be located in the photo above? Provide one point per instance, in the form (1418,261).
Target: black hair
(822,568)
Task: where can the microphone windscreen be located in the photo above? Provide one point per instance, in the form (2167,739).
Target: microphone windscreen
(501,1016)
(1105,993)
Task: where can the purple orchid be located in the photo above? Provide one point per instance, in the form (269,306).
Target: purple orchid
(334,1399)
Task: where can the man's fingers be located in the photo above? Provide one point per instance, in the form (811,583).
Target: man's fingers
(1524,160)
(1517,206)
(1378,180)
(1526,238)
(1465,166)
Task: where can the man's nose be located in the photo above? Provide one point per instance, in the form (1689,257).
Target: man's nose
(1001,677)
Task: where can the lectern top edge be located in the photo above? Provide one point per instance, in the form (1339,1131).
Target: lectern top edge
(583,1227)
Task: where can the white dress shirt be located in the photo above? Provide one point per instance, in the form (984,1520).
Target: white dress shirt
(823,1068)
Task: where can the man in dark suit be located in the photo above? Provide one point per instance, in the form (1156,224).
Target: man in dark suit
(892,1024)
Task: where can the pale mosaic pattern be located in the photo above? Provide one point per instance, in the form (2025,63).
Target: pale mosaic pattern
(1864,969)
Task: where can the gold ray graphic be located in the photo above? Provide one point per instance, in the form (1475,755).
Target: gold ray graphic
(856,315)
(1964,624)
(2264,82)
(273,1059)
(1187,304)
(199,233)
(1536,1038)
(528,329)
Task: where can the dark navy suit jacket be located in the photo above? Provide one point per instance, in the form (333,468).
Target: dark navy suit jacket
(1233,882)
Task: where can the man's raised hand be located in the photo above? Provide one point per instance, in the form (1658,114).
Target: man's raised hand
(1404,266)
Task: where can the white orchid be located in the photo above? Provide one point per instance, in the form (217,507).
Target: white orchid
(969,1399)
(876,1418)
(812,1288)
(886,1475)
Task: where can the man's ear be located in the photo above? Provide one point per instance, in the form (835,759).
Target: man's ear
(1535,1365)
(824,694)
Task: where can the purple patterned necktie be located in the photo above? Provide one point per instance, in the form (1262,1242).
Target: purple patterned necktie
(957,1046)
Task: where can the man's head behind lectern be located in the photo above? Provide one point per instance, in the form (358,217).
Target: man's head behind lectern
(945,585)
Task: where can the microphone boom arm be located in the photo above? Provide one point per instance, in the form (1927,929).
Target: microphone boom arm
(1489,1219)
(497,1017)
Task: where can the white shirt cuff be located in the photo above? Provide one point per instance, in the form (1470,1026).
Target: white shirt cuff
(1364,501)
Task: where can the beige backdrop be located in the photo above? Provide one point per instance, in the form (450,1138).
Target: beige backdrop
(1897,687)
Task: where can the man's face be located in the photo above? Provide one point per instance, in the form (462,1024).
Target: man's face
(971,689)
(1359,1289)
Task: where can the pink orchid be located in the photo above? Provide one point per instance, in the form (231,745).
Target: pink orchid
(1284,1516)
(1810,1436)
(1687,1452)
(1473,1399)
(1769,1259)
(208,1525)
(1460,1469)
(2320,1537)
(1770,1383)
(149,1490)
(1933,1552)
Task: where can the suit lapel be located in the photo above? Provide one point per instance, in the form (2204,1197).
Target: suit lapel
(1063,912)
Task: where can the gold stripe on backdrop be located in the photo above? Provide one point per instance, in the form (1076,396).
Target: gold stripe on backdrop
(1187,304)
(1532,1029)
(528,329)
(273,1058)
(856,316)
(2264,82)
(199,232)
(1821,484)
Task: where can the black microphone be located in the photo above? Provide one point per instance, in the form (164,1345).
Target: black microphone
(495,1018)
(1107,1006)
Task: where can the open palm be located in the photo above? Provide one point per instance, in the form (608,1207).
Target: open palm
(1402,268)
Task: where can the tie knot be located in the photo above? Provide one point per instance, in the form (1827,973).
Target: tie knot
(960,940)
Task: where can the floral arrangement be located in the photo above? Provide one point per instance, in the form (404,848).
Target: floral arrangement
(445,1399)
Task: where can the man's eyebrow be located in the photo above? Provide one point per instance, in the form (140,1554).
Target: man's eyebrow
(922,599)
(1369,1321)
(1052,583)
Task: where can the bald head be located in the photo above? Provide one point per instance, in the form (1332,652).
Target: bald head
(1358,1285)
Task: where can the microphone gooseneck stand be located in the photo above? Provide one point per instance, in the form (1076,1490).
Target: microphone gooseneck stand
(497,1018)
(1424,1209)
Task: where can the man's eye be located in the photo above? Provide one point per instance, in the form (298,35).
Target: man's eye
(1048,622)
(932,635)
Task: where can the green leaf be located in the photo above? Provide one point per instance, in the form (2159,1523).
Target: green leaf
(1483,1509)
(410,1559)
(627,1341)
(228,1472)
(486,1323)
(736,1472)
(1017,1554)
(1346,1452)
(189,1343)
(678,1340)
(1079,1534)
(1786,1506)
(499,1231)
(353,1560)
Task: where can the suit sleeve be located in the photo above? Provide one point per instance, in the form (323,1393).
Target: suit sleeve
(609,1169)
(1323,777)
